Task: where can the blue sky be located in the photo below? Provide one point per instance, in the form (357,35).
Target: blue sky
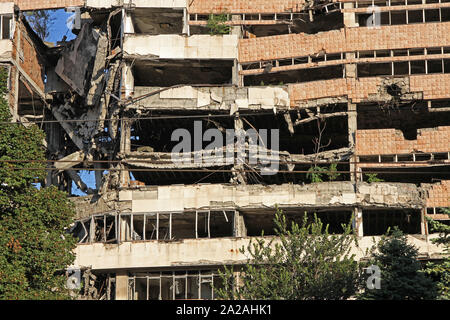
(59,28)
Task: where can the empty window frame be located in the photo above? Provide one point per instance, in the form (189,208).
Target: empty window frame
(174,285)
(6,26)
(177,225)
(98,228)
(81,230)
(400,17)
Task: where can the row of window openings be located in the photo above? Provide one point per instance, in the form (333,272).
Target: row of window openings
(174,285)
(403,17)
(434,210)
(415,157)
(329,7)
(155,226)
(404,68)
(396,68)
(341,56)
(391,3)
(266,17)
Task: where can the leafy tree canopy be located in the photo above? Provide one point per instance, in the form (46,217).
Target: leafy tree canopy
(401,274)
(34,247)
(306,263)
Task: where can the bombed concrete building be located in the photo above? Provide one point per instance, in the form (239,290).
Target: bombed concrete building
(357,91)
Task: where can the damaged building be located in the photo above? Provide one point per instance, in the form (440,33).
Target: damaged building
(360,99)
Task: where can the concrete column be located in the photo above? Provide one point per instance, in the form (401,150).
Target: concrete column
(121,285)
(423,223)
(128,80)
(350,17)
(186,29)
(128,26)
(98,176)
(239,225)
(238,80)
(125,136)
(352,127)
(358,222)
(15,113)
(239,174)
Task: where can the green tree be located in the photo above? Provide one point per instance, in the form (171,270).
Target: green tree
(373,177)
(306,263)
(217,24)
(441,270)
(316,173)
(34,247)
(401,276)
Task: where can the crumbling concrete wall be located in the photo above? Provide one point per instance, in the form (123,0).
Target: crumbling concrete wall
(201,252)
(179,47)
(94,204)
(327,194)
(213,98)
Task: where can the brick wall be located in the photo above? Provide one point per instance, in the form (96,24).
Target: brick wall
(244,6)
(45,4)
(439,195)
(317,89)
(433,86)
(391,141)
(345,40)
(33,62)
(356,90)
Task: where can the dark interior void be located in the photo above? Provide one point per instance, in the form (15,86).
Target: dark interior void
(332,21)
(415,175)
(157,21)
(386,116)
(322,22)
(295,76)
(157,133)
(334,135)
(168,177)
(253,175)
(402,68)
(155,136)
(29,103)
(257,223)
(377,222)
(166,73)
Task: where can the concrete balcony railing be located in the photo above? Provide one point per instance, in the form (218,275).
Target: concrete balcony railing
(6,47)
(181,47)
(201,252)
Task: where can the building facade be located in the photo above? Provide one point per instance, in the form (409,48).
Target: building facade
(355,95)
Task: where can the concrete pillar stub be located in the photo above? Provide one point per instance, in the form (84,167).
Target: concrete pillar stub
(121,285)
